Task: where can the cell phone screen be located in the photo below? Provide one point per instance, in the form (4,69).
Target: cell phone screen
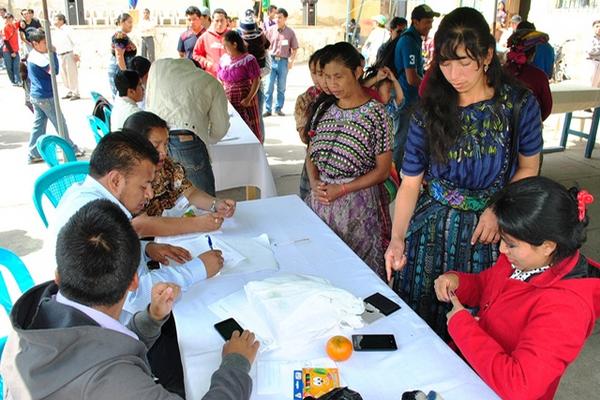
(227,327)
(374,342)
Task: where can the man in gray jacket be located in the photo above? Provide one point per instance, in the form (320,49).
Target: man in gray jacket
(67,341)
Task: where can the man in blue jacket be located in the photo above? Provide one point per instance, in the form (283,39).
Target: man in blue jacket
(38,69)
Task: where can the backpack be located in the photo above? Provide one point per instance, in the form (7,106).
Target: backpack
(99,107)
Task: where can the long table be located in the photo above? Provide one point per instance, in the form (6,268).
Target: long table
(239,159)
(572,96)
(423,361)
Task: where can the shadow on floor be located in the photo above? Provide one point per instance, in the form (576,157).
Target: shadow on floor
(20,242)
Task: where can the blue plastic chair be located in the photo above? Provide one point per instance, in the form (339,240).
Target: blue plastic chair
(55,182)
(98,127)
(48,145)
(19,272)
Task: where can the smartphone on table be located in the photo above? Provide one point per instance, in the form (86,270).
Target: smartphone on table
(382,303)
(227,327)
(371,342)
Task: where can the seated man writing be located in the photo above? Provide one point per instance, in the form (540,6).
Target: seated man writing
(67,341)
(131,91)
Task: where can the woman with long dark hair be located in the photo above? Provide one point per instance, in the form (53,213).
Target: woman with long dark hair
(240,73)
(475,132)
(349,157)
(536,305)
(122,49)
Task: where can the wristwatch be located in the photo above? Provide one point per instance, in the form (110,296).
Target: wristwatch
(213,206)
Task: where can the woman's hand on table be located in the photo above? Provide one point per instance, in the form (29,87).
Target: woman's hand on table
(213,262)
(244,344)
(395,259)
(164,295)
(456,306)
(486,231)
(208,222)
(225,207)
(163,252)
(445,285)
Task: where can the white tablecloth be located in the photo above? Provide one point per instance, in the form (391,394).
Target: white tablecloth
(423,361)
(240,160)
(571,96)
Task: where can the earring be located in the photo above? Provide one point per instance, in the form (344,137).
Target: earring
(485,68)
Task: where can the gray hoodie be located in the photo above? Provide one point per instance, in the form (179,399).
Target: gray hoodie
(58,352)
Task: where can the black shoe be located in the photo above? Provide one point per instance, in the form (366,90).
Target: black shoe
(68,96)
(280,113)
(267,114)
(34,160)
(75,97)
(79,153)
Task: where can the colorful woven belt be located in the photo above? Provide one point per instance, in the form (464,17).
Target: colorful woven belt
(458,198)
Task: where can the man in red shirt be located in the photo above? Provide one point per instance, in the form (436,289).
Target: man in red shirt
(209,47)
(10,49)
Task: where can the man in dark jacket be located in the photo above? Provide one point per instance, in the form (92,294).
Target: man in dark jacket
(68,342)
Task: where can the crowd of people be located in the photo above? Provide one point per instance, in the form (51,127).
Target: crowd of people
(473,221)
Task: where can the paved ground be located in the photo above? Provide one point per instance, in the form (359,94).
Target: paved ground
(21,229)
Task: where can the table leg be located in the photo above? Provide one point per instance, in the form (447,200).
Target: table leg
(592,135)
(251,193)
(566,128)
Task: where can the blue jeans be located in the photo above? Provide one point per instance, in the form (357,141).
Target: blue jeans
(191,152)
(113,68)
(261,103)
(12,67)
(400,135)
(43,109)
(279,71)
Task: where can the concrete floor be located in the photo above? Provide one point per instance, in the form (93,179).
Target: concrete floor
(21,229)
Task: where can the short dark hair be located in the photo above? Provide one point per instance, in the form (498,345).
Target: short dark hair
(121,152)
(61,17)
(282,11)
(193,10)
(398,21)
(122,18)
(3,9)
(526,25)
(97,254)
(596,22)
(142,122)
(536,209)
(36,35)
(219,11)
(125,80)
(272,7)
(139,64)
(234,37)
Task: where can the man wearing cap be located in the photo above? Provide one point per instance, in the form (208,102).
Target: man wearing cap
(408,60)
(209,47)
(282,51)
(198,19)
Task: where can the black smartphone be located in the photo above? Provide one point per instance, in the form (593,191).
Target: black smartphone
(226,328)
(382,303)
(374,342)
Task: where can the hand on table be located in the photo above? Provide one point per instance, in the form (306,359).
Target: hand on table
(445,285)
(395,259)
(208,222)
(486,231)
(244,344)
(162,252)
(213,262)
(163,296)
(225,207)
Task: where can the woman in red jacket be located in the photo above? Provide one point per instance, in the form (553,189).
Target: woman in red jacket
(536,305)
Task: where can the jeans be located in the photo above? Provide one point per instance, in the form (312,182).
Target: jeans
(279,71)
(113,68)
(400,137)
(12,67)
(43,109)
(261,103)
(193,155)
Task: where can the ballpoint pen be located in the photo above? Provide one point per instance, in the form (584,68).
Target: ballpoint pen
(209,242)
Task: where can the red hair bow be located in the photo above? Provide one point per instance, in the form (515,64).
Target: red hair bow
(583,198)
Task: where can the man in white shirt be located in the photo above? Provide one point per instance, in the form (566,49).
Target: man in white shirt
(63,40)
(131,91)
(148,31)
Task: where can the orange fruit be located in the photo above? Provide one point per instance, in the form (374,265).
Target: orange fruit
(339,348)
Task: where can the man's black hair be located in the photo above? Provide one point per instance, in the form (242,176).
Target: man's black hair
(282,11)
(36,35)
(121,152)
(125,80)
(61,17)
(97,254)
(139,64)
(193,10)
(219,11)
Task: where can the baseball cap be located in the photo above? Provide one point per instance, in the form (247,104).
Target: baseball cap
(423,11)
(204,10)
(380,19)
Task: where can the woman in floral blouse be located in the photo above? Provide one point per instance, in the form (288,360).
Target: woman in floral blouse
(122,49)
(170,187)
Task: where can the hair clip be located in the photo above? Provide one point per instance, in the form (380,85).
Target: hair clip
(583,198)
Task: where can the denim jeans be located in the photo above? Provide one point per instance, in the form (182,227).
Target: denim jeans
(279,71)
(12,67)
(43,109)
(193,155)
(261,103)
(113,68)
(400,137)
